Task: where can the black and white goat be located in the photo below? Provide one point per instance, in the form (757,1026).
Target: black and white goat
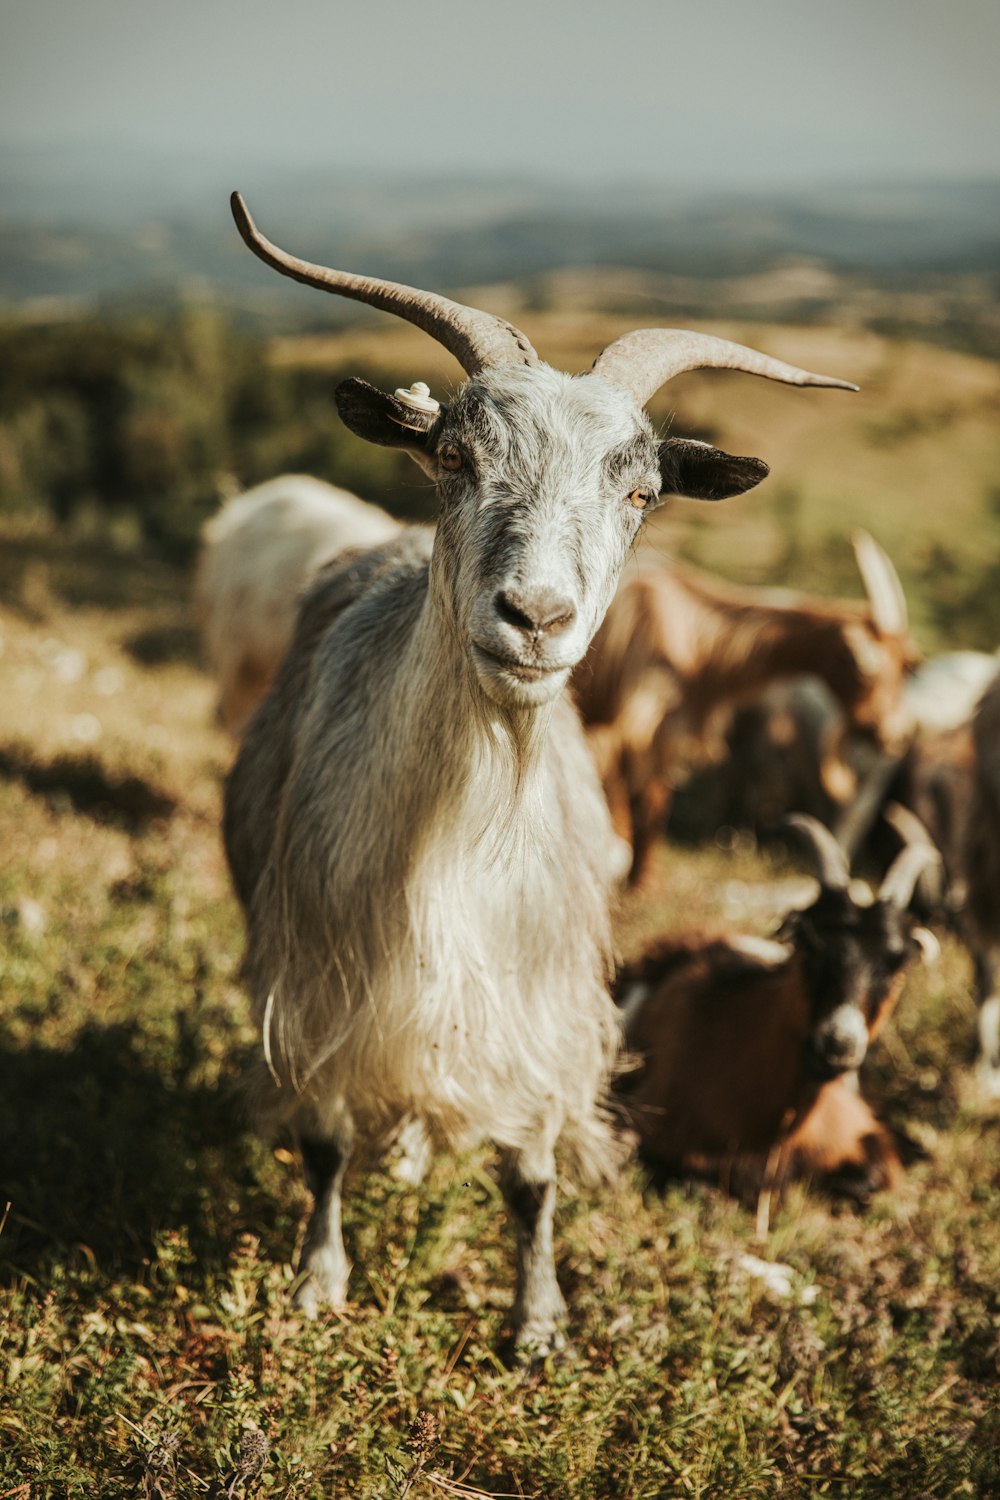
(413,822)
(749,1047)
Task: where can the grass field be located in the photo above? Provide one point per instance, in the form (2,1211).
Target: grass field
(147,1342)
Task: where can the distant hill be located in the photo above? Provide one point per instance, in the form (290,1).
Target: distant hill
(154,229)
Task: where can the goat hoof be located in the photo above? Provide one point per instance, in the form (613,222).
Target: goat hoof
(536,1342)
(321,1286)
(307,1299)
(411,1154)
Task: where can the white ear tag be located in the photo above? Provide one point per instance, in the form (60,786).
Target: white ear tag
(418,398)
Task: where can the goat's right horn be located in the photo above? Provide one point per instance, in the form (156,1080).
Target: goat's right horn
(906,869)
(477,339)
(918,856)
(643,360)
(831,862)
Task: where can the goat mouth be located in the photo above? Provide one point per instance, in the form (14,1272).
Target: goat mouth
(511,667)
(824,1069)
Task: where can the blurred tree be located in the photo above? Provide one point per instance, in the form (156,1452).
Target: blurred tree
(158,416)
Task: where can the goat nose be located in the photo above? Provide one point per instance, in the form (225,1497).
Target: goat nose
(843,1038)
(542,612)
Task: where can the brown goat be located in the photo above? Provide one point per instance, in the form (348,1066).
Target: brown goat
(747,1047)
(678,645)
(840,1142)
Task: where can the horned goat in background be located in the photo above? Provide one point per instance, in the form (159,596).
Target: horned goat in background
(949,785)
(678,645)
(257,556)
(791,750)
(413,822)
(748,1050)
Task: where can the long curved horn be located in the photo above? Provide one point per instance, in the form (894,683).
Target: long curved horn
(882,585)
(641,361)
(906,823)
(856,821)
(477,339)
(898,883)
(906,869)
(831,862)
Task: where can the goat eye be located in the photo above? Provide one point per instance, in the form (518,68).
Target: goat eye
(449,457)
(640,498)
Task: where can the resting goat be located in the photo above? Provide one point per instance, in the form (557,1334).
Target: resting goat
(413,822)
(746,1046)
(257,556)
(678,645)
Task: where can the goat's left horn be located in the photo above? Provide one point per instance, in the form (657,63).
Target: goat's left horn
(831,862)
(477,339)
(855,823)
(906,823)
(641,361)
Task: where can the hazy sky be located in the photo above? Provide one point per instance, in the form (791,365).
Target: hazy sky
(726,91)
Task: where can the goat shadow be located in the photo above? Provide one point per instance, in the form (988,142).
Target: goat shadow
(104,1147)
(81,780)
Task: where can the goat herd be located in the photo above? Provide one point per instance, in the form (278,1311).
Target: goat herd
(416,825)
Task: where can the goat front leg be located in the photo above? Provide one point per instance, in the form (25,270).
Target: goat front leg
(323,1265)
(527,1179)
(987,965)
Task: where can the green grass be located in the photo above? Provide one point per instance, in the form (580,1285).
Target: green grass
(148,1345)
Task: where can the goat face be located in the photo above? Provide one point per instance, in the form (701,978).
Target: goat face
(543,481)
(538,470)
(855,957)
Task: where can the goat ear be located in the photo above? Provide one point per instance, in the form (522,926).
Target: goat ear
(380,418)
(702,472)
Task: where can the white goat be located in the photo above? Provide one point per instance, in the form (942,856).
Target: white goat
(257,556)
(413,821)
